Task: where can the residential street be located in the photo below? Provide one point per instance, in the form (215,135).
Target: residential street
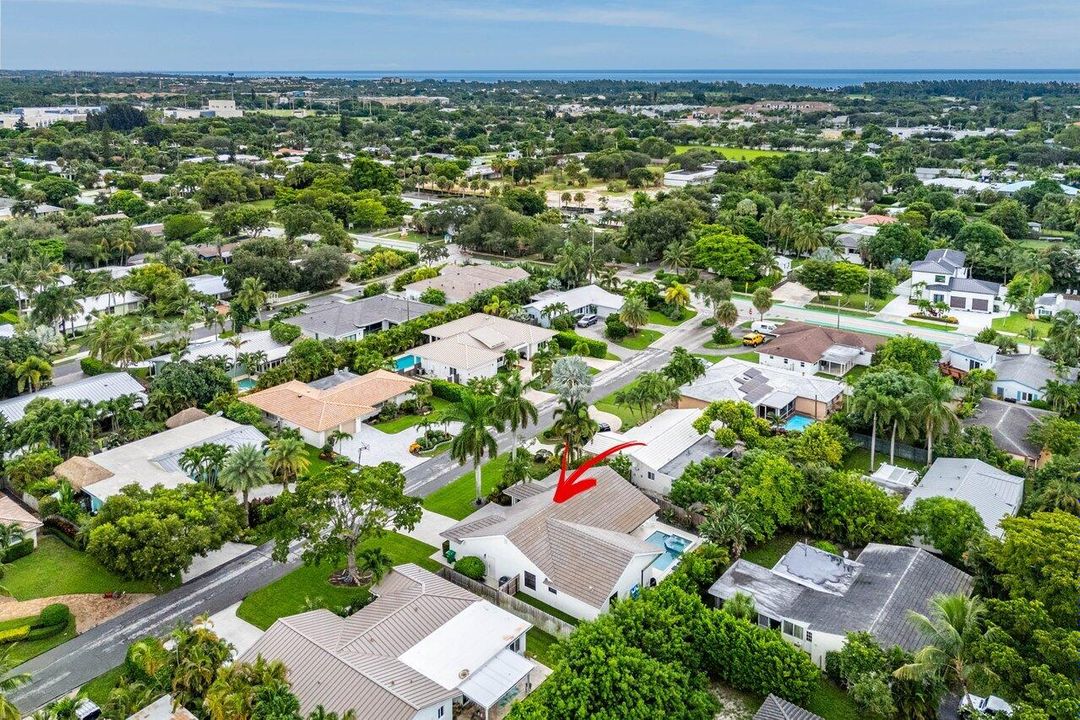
(68,666)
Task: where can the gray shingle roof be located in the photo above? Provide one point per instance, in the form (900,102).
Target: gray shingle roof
(885,583)
(345,318)
(983,352)
(1030,370)
(1009,424)
(777,708)
(994,493)
(107,386)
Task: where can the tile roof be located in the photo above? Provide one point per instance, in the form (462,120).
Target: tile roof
(321,409)
(1009,424)
(13,512)
(873,220)
(994,493)
(359,663)
(884,584)
(477,340)
(582,545)
(99,388)
(345,318)
(461,282)
(809,343)
(777,708)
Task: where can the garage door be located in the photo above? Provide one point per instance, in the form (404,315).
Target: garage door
(958,302)
(980,305)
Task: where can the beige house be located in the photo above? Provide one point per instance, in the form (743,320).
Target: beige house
(473,346)
(12,513)
(338,402)
(771,391)
(461,282)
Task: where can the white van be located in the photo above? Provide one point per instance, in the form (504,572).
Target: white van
(765,327)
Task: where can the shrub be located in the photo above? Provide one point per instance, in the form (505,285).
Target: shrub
(48,505)
(18,550)
(567,341)
(449,391)
(43,488)
(471,567)
(722,336)
(14,634)
(284,333)
(52,615)
(92,366)
(614,328)
(433,296)
(63,525)
(373,289)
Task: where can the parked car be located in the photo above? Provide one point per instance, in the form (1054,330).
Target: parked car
(753,339)
(765,327)
(588,320)
(603,427)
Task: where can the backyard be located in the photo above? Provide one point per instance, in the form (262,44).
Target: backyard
(859,459)
(1017,324)
(456,499)
(308,586)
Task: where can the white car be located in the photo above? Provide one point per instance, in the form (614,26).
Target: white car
(765,327)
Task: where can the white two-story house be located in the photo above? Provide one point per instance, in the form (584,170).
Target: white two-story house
(942,277)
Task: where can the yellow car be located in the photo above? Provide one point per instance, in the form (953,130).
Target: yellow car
(753,339)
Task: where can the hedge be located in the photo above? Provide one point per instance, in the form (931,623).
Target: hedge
(53,615)
(92,366)
(62,526)
(471,567)
(14,634)
(18,550)
(567,340)
(284,333)
(449,391)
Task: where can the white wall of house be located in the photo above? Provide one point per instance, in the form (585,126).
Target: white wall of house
(446,372)
(967,364)
(658,483)
(1012,390)
(805,368)
(601,311)
(433,712)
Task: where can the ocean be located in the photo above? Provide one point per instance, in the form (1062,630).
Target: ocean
(810,78)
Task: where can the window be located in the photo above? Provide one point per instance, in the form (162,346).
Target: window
(552,590)
(939,279)
(809,636)
(795,631)
(530,580)
(440,713)
(652,475)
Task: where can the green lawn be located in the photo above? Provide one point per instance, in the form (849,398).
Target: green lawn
(640,340)
(850,377)
(713,346)
(540,646)
(859,459)
(930,325)
(308,586)
(456,500)
(541,605)
(855,301)
(831,702)
(769,553)
(26,649)
(1017,323)
(747,356)
(99,688)
(628,417)
(404,422)
(315,463)
(411,236)
(741,154)
(57,569)
(658,318)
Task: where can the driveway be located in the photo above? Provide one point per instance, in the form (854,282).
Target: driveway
(372,446)
(240,633)
(792,293)
(970,322)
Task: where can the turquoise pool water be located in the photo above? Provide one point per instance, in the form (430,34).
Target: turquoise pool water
(246,384)
(405,362)
(673,546)
(797,423)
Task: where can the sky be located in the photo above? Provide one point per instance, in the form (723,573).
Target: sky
(390,35)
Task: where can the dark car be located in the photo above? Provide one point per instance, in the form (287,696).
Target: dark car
(588,320)
(603,427)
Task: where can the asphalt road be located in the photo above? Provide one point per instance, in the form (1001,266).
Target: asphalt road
(76,662)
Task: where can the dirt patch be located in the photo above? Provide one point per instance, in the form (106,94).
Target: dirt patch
(734,705)
(89,610)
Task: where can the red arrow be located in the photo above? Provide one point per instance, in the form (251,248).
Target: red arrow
(568,487)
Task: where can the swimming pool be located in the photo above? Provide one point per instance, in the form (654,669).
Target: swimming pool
(405,362)
(673,546)
(797,423)
(246,384)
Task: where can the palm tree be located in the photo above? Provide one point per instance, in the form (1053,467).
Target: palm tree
(574,425)
(203,463)
(726,314)
(236,342)
(952,630)
(475,440)
(127,346)
(729,524)
(251,297)
(287,457)
(679,255)
(934,402)
(335,438)
(8,683)
(11,534)
(374,564)
(245,469)
(678,295)
(634,313)
(554,310)
(867,404)
(513,408)
(741,606)
(570,378)
(762,301)
(33,372)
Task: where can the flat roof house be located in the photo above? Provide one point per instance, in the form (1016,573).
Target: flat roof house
(337,402)
(682,178)
(994,493)
(473,346)
(461,282)
(672,443)
(1009,424)
(809,349)
(95,389)
(942,276)
(257,341)
(771,391)
(577,555)
(153,460)
(420,646)
(814,598)
(584,300)
(354,320)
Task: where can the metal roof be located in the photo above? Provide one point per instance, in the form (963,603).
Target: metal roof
(1009,424)
(994,493)
(96,389)
(777,708)
(1030,370)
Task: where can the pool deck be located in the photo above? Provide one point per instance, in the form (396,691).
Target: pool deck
(652,526)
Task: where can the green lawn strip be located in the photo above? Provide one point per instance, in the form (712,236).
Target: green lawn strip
(315,463)
(628,417)
(541,605)
(438,407)
(658,318)
(291,594)
(456,499)
(847,312)
(849,377)
(732,153)
(1018,323)
(831,702)
(98,689)
(541,647)
(612,356)
(710,358)
(859,459)
(26,649)
(747,356)
(767,554)
(930,325)
(855,301)
(640,340)
(714,346)
(56,569)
